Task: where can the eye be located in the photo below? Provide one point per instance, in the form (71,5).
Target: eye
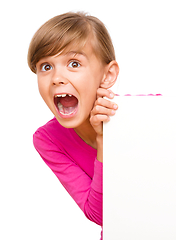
(46,67)
(74,64)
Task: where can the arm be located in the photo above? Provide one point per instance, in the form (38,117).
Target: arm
(86,192)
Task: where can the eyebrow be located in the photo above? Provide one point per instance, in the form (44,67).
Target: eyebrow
(76,53)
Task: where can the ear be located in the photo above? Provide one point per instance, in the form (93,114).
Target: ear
(111,73)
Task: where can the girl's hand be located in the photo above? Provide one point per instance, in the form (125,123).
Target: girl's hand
(102,110)
(100,113)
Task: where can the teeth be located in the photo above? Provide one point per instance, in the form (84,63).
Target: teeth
(60,107)
(63,95)
(66,111)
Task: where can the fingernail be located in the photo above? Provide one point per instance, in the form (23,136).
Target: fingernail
(111,95)
(115,106)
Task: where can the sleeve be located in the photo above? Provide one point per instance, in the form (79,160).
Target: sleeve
(86,192)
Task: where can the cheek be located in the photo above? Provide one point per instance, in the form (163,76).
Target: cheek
(90,95)
(43,88)
(45,94)
(88,88)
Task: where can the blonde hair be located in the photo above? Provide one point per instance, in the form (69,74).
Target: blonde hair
(63,31)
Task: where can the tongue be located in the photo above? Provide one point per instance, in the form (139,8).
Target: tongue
(68,101)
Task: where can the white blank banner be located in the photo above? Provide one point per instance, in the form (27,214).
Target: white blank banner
(140,170)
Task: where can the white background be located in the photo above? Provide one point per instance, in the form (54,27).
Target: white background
(33,205)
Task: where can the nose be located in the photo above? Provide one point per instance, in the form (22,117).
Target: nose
(58,77)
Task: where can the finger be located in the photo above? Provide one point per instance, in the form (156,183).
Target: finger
(100,110)
(97,120)
(106,103)
(101,92)
(97,125)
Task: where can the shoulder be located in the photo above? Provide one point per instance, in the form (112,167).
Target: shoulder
(52,125)
(55,137)
(53,134)
(49,132)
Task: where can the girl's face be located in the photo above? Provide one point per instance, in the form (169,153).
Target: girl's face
(68,84)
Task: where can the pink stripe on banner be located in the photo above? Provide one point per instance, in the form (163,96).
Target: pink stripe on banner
(127,95)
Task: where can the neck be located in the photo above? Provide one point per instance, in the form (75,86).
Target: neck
(87,133)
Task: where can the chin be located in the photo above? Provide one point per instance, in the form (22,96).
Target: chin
(68,123)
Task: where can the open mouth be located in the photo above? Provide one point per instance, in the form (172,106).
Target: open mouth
(66,104)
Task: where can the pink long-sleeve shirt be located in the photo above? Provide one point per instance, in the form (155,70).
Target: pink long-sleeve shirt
(75,165)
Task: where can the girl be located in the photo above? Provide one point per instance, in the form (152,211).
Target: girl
(73,57)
